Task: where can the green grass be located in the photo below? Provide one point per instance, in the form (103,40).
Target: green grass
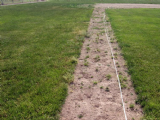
(138,34)
(40,43)
(73,2)
(16,1)
(107,1)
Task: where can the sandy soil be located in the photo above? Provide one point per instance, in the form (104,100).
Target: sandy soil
(93,96)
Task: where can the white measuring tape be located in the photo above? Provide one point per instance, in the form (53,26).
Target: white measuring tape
(106,30)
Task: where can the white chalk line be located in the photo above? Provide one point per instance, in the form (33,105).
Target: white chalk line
(106,30)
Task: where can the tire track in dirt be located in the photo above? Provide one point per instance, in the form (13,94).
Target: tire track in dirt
(95,93)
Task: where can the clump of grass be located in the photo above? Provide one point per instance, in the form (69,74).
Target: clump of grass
(123,85)
(115,54)
(86,64)
(97,41)
(123,80)
(68,77)
(74,60)
(131,106)
(80,116)
(97,58)
(101,87)
(107,89)
(115,48)
(95,83)
(87,35)
(111,41)
(96,69)
(108,77)
(87,57)
(98,50)
(88,49)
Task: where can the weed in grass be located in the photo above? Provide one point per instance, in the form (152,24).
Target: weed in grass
(108,77)
(107,89)
(87,44)
(133,119)
(91,76)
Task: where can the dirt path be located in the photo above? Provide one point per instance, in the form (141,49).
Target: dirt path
(95,93)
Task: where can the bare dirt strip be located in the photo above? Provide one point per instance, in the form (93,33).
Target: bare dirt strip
(95,93)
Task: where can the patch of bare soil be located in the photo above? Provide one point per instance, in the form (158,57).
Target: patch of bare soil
(95,93)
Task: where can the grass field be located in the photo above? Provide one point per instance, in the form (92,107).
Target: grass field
(88,1)
(16,1)
(108,1)
(137,31)
(40,43)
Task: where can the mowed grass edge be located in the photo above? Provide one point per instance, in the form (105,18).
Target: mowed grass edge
(40,46)
(137,32)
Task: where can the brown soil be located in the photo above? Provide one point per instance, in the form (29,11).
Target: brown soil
(88,97)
